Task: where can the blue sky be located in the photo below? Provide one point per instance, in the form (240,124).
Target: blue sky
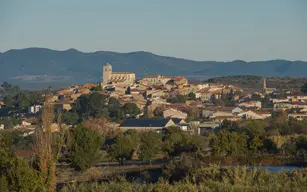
(197,29)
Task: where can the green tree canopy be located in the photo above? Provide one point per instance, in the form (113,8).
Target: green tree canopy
(123,147)
(131,110)
(15,173)
(85,147)
(151,143)
(93,105)
(8,101)
(304,88)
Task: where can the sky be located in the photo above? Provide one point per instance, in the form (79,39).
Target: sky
(201,30)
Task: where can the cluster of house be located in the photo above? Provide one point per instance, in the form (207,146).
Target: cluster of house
(153,91)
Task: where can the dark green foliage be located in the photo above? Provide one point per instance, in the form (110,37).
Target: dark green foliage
(256,97)
(17,141)
(229,143)
(93,105)
(22,100)
(8,101)
(151,143)
(192,96)
(97,88)
(10,122)
(114,109)
(123,147)
(85,147)
(15,173)
(230,126)
(70,117)
(304,88)
(130,110)
(9,89)
(176,142)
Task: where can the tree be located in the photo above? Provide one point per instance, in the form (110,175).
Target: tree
(174,141)
(256,97)
(8,101)
(217,102)
(123,148)
(304,88)
(131,110)
(70,117)
(85,149)
(93,105)
(150,145)
(230,126)
(192,96)
(227,143)
(255,130)
(15,173)
(22,100)
(45,158)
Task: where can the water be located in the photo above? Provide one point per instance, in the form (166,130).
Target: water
(277,168)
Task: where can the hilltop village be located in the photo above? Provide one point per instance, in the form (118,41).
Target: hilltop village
(157,101)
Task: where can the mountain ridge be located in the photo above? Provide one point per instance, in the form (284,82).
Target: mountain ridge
(43,66)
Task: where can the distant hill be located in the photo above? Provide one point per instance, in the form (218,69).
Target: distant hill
(41,67)
(256,82)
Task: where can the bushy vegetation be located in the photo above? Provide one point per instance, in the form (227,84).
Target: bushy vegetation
(213,178)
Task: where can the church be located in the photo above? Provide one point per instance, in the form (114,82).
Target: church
(117,77)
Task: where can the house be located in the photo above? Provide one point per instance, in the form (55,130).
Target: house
(154,93)
(250,104)
(288,105)
(203,94)
(296,98)
(251,115)
(264,114)
(280,100)
(207,127)
(174,113)
(1,126)
(146,124)
(152,79)
(221,116)
(1,104)
(34,109)
(180,80)
(298,116)
(282,106)
(62,106)
(233,110)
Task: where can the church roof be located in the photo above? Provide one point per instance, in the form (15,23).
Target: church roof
(123,73)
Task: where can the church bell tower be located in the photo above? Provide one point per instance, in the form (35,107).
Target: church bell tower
(106,73)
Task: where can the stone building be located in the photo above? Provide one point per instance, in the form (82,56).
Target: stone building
(117,77)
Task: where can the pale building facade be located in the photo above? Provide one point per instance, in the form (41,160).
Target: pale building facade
(174,113)
(117,77)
